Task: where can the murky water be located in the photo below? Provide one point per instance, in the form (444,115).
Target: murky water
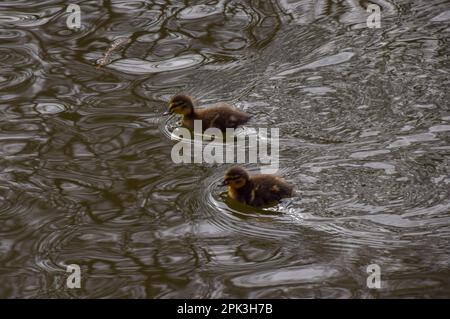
(86,175)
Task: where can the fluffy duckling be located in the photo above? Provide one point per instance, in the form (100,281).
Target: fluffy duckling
(221,115)
(256,190)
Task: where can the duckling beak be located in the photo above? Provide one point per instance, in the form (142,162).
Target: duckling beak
(224,183)
(170,110)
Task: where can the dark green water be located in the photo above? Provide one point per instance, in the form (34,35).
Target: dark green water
(86,175)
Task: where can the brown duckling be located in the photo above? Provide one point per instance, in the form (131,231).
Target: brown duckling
(221,115)
(256,190)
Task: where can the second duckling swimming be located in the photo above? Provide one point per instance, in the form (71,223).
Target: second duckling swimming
(257,190)
(221,115)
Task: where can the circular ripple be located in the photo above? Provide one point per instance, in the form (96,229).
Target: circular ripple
(137,66)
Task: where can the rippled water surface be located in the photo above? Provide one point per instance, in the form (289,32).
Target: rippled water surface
(86,175)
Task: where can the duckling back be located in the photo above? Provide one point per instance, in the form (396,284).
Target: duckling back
(268,189)
(221,116)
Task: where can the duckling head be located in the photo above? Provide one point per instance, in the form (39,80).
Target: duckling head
(236,177)
(180,104)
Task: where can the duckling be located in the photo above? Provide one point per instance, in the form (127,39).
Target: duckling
(221,115)
(256,190)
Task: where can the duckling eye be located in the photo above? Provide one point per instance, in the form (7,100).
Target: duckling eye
(179,105)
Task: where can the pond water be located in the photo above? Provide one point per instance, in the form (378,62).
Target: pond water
(86,175)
